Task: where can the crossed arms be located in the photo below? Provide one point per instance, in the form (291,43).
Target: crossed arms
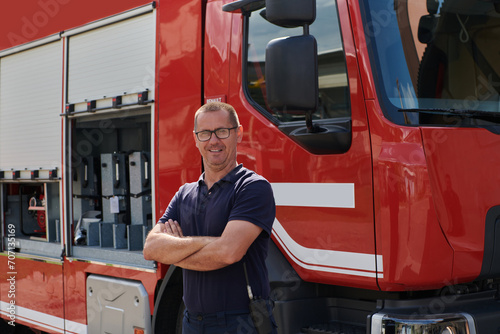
(166,244)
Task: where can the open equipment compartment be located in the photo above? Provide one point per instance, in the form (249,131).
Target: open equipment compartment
(111,182)
(31,211)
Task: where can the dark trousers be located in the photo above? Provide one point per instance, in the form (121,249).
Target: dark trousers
(218,323)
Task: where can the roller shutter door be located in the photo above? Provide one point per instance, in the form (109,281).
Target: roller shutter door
(113,60)
(30,105)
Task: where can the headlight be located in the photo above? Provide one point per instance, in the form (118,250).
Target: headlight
(432,324)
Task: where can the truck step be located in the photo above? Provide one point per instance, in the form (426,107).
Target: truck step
(334,328)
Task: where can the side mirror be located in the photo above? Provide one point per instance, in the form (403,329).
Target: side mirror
(292,73)
(432,6)
(426,28)
(244,6)
(290,14)
(292,62)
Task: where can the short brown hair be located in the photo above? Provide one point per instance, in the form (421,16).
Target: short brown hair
(216,106)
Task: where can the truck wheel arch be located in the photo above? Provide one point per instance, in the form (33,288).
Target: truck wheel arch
(169,307)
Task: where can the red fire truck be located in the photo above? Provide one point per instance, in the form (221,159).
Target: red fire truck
(376,122)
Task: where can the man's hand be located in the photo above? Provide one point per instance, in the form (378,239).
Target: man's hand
(173,228)
(167,244)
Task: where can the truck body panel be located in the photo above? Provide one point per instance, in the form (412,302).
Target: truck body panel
(387,199)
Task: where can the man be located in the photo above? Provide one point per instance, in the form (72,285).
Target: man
(215,227)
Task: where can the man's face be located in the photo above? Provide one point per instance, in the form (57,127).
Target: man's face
(218,154)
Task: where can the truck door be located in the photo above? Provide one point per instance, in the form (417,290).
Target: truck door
(319,162)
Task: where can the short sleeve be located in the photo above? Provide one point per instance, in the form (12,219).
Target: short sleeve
(254,202)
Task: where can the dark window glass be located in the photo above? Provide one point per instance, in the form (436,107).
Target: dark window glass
(333,83)
(435,62)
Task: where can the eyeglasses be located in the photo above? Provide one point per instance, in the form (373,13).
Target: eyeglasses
(221,133)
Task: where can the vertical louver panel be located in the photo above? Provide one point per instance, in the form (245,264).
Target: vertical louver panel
(30,105)
(113,60)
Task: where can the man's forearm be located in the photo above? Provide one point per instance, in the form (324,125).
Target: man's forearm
(168,249)
(210,257)
(225,250)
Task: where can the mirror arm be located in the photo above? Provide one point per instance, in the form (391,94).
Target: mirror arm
(244,7)
(306,29)
(311,127)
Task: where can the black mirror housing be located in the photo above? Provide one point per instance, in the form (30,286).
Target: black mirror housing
(286,14)
(244,6)
(432,6)
(292,73)
(426,28)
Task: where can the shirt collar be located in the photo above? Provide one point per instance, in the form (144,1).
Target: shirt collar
(229,177)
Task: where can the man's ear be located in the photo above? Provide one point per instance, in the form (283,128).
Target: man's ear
(195,139)
(239,133)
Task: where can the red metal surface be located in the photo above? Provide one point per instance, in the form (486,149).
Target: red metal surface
(464,186)
(34,19)
(217,54)
(75,276)
(415,251)
(178,96)
(426,238)
(60,291)
(408,235)
(35,287)
(358,34)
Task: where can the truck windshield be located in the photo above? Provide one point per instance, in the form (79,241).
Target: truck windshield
(436,62)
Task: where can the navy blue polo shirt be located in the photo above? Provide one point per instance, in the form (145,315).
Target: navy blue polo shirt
(240,195)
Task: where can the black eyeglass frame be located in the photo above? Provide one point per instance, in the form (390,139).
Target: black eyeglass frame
(215,132)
